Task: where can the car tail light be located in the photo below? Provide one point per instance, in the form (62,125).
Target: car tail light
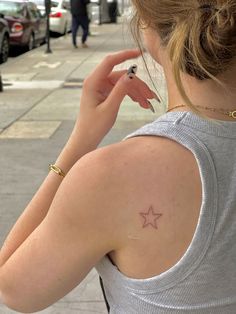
(56,14)
(17,28)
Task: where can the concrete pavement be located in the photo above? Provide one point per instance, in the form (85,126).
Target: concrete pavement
(37,111)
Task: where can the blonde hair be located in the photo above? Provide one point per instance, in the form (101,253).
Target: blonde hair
(200,36)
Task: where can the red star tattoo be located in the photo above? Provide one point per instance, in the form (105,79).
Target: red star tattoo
(150,218)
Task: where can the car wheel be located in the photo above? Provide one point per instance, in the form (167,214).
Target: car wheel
(4,50)
(31,43)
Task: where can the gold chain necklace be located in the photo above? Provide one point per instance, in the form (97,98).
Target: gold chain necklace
(229,113)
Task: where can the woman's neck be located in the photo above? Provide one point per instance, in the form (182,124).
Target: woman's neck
(203,94)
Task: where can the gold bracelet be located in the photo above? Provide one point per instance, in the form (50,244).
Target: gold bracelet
(57,170)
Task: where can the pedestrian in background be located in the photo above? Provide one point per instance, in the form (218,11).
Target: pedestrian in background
(80,18)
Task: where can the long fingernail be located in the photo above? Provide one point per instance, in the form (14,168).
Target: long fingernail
(151,106)
(156,97)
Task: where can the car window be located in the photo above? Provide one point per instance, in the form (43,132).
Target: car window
(33,10)
(12,9)
(54,4)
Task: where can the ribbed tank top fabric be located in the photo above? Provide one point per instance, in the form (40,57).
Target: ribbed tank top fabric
(204,279)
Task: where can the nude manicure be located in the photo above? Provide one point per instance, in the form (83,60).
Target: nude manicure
(156,97)
(151,106)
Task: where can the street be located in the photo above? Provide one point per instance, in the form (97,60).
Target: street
(37,111)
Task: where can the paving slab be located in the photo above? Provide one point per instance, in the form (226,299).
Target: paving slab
(14,103)
(31,129)
(63,104)
(57,72)
(84,69)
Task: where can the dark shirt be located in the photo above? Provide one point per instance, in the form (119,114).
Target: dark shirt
(79,7)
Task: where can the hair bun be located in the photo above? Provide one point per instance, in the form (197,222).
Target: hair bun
(211,40)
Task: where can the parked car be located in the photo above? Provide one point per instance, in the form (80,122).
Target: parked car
(60,16)
(4,39)
(27,25)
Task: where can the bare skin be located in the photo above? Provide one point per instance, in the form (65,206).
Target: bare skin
(150,218)
(102,207)
(202,93)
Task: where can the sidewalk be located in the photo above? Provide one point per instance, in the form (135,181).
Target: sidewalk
(37,111)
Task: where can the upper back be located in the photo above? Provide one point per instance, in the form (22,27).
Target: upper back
(180,204)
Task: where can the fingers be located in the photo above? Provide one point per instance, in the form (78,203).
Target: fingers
(138,91)
(127,85)
(118,93)
(115,76)
(107,65)
(140,88)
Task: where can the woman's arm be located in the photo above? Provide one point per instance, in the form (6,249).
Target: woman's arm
(76,233)
(94,121)
(49,250)
(38,208)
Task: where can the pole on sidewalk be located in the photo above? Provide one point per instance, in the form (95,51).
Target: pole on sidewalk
(123,6)
(100,11)
(48,11)
(1,84)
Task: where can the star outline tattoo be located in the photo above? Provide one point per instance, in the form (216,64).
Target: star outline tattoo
(150,218)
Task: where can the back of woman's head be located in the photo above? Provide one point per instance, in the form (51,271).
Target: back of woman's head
(200,35)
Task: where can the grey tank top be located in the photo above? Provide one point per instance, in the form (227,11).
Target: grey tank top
(204,279)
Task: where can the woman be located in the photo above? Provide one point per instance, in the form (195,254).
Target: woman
(155,214)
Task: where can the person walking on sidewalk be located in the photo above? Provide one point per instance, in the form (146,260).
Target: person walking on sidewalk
(155,214)
(80,18)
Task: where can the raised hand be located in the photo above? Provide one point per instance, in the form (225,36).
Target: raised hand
(103,92)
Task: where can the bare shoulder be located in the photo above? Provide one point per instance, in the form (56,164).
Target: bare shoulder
(149,190)
(140,154)
(140,170)
(144,159)
(159,194)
